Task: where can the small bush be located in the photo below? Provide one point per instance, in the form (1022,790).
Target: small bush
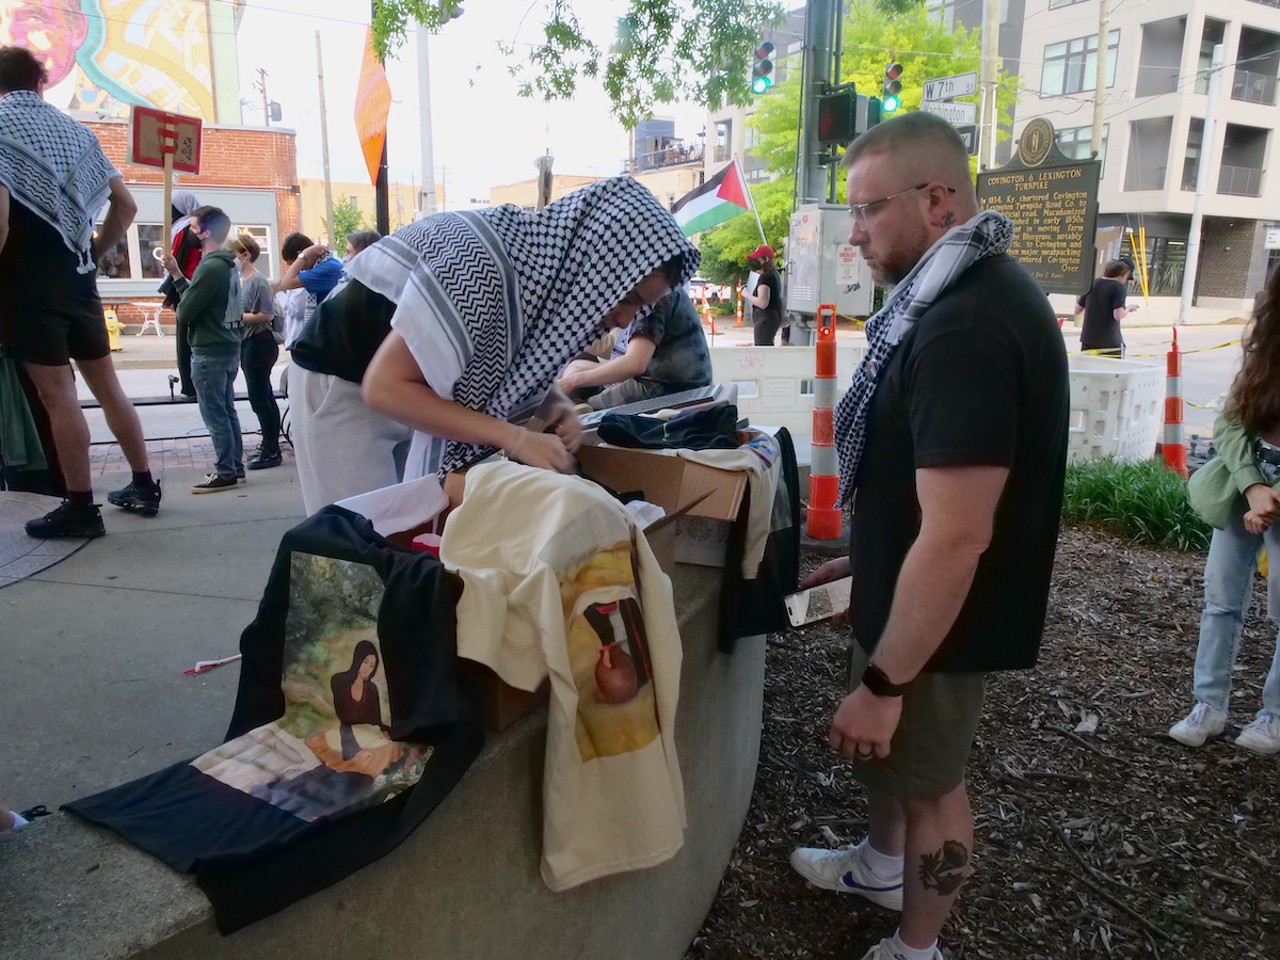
(1145,502)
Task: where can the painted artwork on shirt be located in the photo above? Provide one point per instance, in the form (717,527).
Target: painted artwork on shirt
(331,754)
(608,647)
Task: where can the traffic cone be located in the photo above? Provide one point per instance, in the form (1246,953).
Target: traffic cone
(739,289)
(1174,447)
(824,521)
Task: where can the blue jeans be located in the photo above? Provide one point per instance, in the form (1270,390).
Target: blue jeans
(1228,587)
(214,377)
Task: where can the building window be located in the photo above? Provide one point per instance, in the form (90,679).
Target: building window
(724,141)
(1072,66)
(261,233)
(151,237)
(1077,143)
(1191,159)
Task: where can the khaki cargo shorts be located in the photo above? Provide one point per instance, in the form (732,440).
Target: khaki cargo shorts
(930,749)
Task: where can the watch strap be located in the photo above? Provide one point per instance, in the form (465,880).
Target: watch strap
(875,680)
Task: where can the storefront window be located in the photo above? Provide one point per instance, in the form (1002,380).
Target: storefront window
(149,241)
(114,263)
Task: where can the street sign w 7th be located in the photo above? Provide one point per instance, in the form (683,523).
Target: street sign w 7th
(946,88)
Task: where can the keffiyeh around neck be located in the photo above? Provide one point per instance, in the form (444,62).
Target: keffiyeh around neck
(55,168)
(987,234)
(493,303)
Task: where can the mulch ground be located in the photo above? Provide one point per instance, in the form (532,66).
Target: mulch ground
(1096,835)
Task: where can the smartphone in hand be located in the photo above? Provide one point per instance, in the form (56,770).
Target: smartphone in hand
(818,603)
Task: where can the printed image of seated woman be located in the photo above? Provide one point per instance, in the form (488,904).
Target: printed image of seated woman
(361,743)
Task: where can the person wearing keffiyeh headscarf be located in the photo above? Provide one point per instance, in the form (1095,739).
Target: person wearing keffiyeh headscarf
(54,181)
(491,304)
(951,444)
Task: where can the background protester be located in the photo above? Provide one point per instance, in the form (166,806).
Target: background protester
(766,298)
(309,267)
(492,304)
(664,352)
(1238,493)
(1104,307)
(210,307)
(50,311)
(184,245)
(358,240)
(259,351)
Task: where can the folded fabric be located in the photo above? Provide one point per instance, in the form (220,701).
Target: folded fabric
(709,428)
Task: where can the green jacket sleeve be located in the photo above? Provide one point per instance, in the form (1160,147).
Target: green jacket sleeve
(1235,447)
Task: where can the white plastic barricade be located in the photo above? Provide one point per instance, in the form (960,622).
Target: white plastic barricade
(776,384)
(1116,408)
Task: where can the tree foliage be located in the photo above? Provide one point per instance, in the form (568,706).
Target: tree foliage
(346,219)
(872,37)
(661,51)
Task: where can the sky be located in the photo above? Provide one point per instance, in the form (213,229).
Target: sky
(483,133)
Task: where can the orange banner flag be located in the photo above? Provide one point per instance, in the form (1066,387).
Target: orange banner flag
(373,105)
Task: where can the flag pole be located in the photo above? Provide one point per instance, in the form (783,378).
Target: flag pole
(750,199)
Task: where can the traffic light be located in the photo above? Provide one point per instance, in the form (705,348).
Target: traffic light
(837,117)
(890,97)
(762,70)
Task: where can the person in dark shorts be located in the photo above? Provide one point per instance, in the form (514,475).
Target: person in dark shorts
(766,298)
(953,436)
(663,352)
(50,312)
(1104,307)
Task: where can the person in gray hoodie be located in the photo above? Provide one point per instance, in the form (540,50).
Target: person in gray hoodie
(209,306)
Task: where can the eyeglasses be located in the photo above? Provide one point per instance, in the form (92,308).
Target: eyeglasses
(860,213)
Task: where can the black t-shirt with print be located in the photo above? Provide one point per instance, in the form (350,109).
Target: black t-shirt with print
(760,315)
(980,380)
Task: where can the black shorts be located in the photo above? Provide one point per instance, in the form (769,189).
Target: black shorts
(52,325)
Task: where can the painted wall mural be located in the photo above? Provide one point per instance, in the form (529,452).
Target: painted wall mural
(104,55)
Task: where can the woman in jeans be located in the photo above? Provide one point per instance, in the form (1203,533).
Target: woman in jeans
(259,351)
(1239,497)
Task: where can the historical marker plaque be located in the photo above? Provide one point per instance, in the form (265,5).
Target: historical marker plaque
(1053,203)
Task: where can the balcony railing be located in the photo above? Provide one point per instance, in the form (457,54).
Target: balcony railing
(1240,181)
(1202,79)
(1254,87)
(669,156)
(1268,3)
(722,153)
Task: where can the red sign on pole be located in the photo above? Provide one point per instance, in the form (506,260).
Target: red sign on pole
(155,133)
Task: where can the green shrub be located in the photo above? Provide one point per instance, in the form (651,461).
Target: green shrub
(1143,501)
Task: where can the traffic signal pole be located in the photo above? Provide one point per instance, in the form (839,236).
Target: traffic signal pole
(819,55)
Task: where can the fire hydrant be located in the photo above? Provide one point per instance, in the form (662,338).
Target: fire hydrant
(113,329)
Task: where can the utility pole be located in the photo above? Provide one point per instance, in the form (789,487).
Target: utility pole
(1100,80)
(427,202)
(1207,141)
(324,146)
(990,78)
(382,188)
(262,85)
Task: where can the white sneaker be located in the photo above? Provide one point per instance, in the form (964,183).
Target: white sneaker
(884,951)
(845,871)
(1261,736)
(1199,725)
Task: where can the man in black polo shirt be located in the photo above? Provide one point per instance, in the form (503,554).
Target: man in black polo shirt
(952,439)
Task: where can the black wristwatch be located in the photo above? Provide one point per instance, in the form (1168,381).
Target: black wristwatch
(875,680)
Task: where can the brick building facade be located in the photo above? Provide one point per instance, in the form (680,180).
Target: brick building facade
(250,172)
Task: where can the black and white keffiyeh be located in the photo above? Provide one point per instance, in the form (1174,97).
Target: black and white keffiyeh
(987,234)
(493,303)
(55,168)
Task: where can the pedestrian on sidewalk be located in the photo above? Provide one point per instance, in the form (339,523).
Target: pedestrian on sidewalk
(209,304)
(311,269)
(259,351)
(766,298)
(54,180)
(1104,307)
(185,247)
(1238,494)
(953,435)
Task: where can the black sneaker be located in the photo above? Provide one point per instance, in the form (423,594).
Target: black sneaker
(263,461)
(136,499)
(213,483)
(68,521)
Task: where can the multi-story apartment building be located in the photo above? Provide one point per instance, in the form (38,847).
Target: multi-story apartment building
(1159,54)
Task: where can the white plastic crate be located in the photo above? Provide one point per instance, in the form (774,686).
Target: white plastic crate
(775,384)
(1117,408)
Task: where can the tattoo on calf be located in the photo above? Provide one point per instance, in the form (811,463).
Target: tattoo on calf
(944,871)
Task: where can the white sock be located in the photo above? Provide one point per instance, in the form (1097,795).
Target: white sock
(901,951)
(18,820)
(882,865)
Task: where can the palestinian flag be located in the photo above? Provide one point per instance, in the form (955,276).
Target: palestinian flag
(721,198)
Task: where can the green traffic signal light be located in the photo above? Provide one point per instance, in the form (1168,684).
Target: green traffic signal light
(761,84)
(889,103)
